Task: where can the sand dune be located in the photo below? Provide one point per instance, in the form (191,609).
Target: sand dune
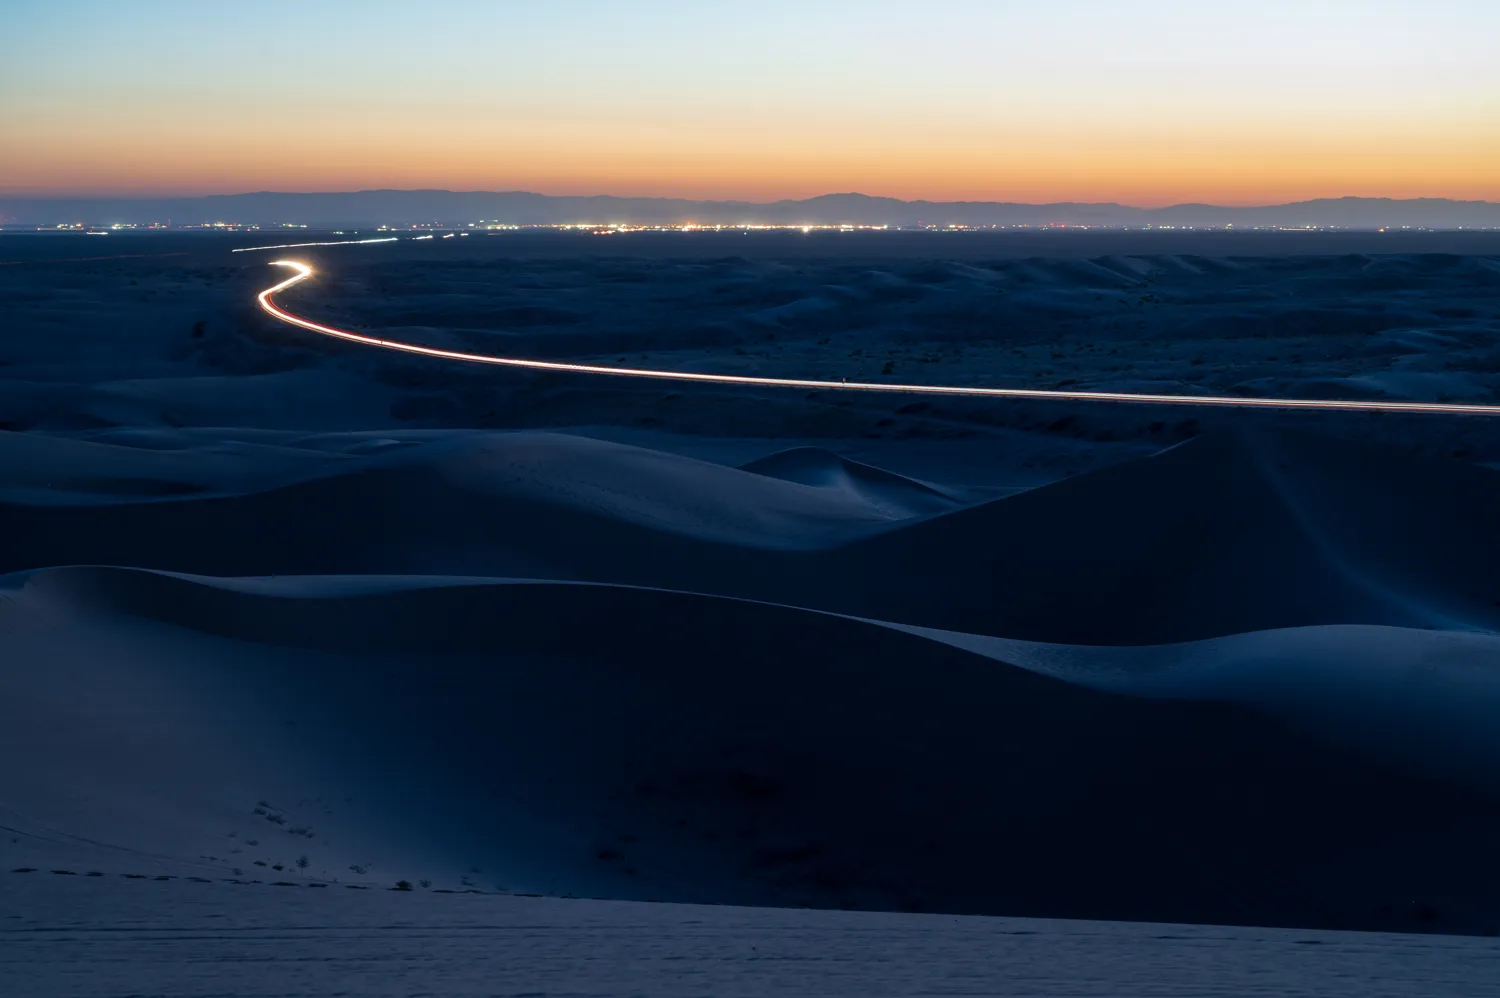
(509,503)
(1222,535)
(820,468)
(139,464)
(269,601)
(626,742)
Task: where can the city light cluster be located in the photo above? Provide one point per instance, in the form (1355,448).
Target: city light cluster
(616,228)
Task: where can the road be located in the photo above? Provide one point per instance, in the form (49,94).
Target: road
(303,272)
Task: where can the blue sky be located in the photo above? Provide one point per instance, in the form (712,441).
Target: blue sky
(1145,102)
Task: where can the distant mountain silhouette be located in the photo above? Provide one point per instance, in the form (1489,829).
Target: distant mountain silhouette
(389,207)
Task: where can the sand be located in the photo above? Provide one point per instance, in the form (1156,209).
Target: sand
(276,609)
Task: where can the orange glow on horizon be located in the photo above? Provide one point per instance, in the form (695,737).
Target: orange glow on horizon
(726,163)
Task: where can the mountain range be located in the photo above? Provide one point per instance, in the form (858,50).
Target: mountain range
(401,208)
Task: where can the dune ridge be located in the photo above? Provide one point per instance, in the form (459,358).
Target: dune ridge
(1225,534)
(821,468)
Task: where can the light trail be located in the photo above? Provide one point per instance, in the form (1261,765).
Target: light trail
(341,242)
(303,272)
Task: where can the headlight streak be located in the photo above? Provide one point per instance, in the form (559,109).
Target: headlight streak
(341,242)
(303,271)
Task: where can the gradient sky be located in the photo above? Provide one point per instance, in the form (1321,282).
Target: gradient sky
(1140,102)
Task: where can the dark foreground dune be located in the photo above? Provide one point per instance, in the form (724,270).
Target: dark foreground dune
(599,740)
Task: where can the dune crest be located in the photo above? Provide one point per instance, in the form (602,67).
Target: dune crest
(823,469)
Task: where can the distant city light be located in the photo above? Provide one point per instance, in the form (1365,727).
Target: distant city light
(495,226)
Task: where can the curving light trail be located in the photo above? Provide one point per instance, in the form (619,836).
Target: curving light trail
(303,271)
(341,242)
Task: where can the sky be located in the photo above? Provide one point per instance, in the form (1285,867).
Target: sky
(1146,102)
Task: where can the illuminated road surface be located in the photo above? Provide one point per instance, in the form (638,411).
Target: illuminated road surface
(303,271)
